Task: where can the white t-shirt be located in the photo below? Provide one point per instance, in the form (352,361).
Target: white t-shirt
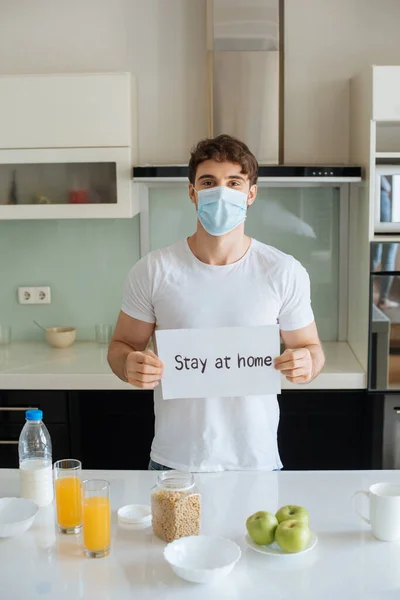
(173,289)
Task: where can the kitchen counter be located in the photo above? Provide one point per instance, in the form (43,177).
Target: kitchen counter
(347,563)
(83,366)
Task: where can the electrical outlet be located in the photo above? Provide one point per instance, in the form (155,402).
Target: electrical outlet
(43,295)
(34,295)
(26,295)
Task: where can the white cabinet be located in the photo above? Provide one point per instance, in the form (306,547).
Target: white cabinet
(67,183)
(386,93)
(65,146)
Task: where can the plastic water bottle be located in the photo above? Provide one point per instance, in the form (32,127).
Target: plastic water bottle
(35,460)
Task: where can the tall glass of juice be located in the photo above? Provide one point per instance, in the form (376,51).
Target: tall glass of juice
(96,518)
(68,493)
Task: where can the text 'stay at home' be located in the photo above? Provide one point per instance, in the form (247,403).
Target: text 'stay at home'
(185,362)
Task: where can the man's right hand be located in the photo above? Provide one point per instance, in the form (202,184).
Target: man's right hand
(143,369)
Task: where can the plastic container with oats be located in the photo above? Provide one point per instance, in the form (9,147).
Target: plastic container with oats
(175,506)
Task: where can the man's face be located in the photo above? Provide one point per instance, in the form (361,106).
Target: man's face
(211,174)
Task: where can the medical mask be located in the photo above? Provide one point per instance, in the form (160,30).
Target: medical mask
(221,209)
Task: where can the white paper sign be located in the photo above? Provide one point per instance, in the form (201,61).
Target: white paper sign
(220,362)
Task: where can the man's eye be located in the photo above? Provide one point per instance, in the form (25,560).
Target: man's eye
(235,183)
(208,183)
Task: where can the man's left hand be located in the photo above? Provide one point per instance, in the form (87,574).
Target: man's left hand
(296,365)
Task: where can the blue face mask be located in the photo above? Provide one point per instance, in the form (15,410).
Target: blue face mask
(221,209)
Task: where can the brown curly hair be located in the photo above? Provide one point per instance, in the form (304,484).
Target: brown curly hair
(223,148)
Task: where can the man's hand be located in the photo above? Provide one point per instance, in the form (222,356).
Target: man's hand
(296,365)
(143,369)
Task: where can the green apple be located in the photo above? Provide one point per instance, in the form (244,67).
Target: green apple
(261,527)
(292,536)
(293,512)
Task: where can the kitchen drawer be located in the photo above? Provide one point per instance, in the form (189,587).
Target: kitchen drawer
(52,403)
(9,436)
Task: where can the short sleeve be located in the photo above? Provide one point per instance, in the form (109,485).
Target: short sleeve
(296,311)
(137,301)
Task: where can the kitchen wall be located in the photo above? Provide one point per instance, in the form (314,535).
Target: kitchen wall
(162,42)
(326,43)
(84,262)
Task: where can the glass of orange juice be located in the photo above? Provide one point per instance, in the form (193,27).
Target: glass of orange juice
(68,493)
(96,517)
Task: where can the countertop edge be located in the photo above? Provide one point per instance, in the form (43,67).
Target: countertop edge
(330,381)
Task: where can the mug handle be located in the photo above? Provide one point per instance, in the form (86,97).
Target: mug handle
(357,511)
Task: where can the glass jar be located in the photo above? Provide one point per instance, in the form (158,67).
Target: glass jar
(175,506)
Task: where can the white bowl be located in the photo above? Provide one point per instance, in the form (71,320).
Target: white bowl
(16,516)
(60,337)
(202,558)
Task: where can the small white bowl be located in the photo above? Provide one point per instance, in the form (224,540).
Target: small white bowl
(202,558)
(60,337)
(16,516)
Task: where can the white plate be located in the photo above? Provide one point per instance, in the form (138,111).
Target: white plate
(135,516)
(274,550)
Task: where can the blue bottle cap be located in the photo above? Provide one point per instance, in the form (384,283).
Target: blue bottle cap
(34,415)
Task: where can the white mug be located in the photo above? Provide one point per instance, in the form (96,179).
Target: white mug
(384,510)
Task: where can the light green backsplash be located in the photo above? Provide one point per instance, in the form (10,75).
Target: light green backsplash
(303,222)
(84,262)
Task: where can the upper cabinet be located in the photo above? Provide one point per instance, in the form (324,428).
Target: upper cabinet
(386,93)
(65,146)
(375,145)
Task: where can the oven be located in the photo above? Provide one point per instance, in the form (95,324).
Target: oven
(384,346)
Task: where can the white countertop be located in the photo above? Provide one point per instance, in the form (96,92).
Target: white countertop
(83,366)
(347,563)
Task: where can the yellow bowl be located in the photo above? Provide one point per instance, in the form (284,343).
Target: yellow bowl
(60,337)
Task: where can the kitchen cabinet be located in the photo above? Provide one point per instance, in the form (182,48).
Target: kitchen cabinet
(14,403)
(66,183)
(328,430)
(318,430)
(68,152)
(325,430)
(112,429)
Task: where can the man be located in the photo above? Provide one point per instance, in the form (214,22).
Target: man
(218,277)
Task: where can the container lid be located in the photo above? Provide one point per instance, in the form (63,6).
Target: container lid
(175,481)
(34,415)
(135,514)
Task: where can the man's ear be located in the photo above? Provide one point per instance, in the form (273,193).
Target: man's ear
(192,193)
(252,195)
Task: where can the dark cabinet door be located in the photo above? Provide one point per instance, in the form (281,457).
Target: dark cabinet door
(14,403)
(326,430)
(112,429)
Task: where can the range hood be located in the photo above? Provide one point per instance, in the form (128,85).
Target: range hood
(266,174)
(246,93)
(244,69)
